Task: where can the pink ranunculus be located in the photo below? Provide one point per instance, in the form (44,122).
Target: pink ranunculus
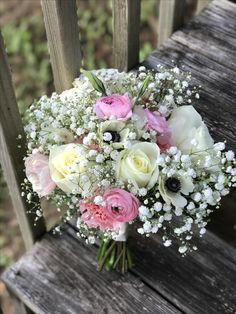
(37,172)
(117,106)
(159,124)
(120,207)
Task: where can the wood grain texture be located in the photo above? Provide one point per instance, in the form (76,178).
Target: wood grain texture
(59,276)
(208,52)
(12,152)
(61,25)
(204,282)
(216,103)
(171,17)
(201,4)
(126,20)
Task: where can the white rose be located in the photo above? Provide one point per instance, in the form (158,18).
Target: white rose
(187,125)
(67,167)
(138,165)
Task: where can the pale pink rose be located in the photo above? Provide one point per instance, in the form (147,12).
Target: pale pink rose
(37,172)
(117,106)
(120,207)
(159,124)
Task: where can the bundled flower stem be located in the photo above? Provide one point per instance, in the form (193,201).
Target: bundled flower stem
(114,255)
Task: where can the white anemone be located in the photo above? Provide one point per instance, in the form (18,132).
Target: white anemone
(116,128)
(171,190)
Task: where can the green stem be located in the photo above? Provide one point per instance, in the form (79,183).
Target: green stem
(111,260)
(102,249)
(129,258)
(118,258)
(101,264)
(123,257)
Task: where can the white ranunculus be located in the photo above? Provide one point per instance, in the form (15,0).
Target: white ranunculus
(67,167)
(187,125)
(138,165)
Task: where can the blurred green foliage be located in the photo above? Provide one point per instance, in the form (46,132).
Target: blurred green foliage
(28,56)
(95,22)
(26,44)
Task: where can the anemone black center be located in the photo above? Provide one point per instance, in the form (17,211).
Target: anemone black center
(173,185)
(115,136)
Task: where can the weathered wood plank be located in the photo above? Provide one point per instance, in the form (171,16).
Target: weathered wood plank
(223,8)
(171,17)
(12,151)
(219,20)
(126,20)
(63,40)
(212,270)
(212,35)
(59,276)
(217,84)
(203,282)
(201,4)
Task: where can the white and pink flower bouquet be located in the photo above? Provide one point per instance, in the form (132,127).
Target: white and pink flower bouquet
(127,150)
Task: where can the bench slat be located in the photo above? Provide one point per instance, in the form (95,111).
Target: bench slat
(217,90)
(12,151)
(126,20)
(59,276)
(171,17)
(62,30)
(201,4)
(201,283)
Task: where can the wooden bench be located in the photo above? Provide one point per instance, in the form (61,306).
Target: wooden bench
(58,273)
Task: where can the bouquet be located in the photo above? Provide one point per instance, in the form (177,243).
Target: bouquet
(120,148)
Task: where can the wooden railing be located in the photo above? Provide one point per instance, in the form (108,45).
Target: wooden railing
(63,39)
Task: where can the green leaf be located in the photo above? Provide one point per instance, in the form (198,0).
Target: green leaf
(95,81)
(143,87)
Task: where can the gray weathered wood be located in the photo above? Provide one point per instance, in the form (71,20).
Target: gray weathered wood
(203,282)
(206,48)
(216,91)
(59,276)
(126,20)
(201,4)
(12,151)
(171,17)
(63,40)
(212,269)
